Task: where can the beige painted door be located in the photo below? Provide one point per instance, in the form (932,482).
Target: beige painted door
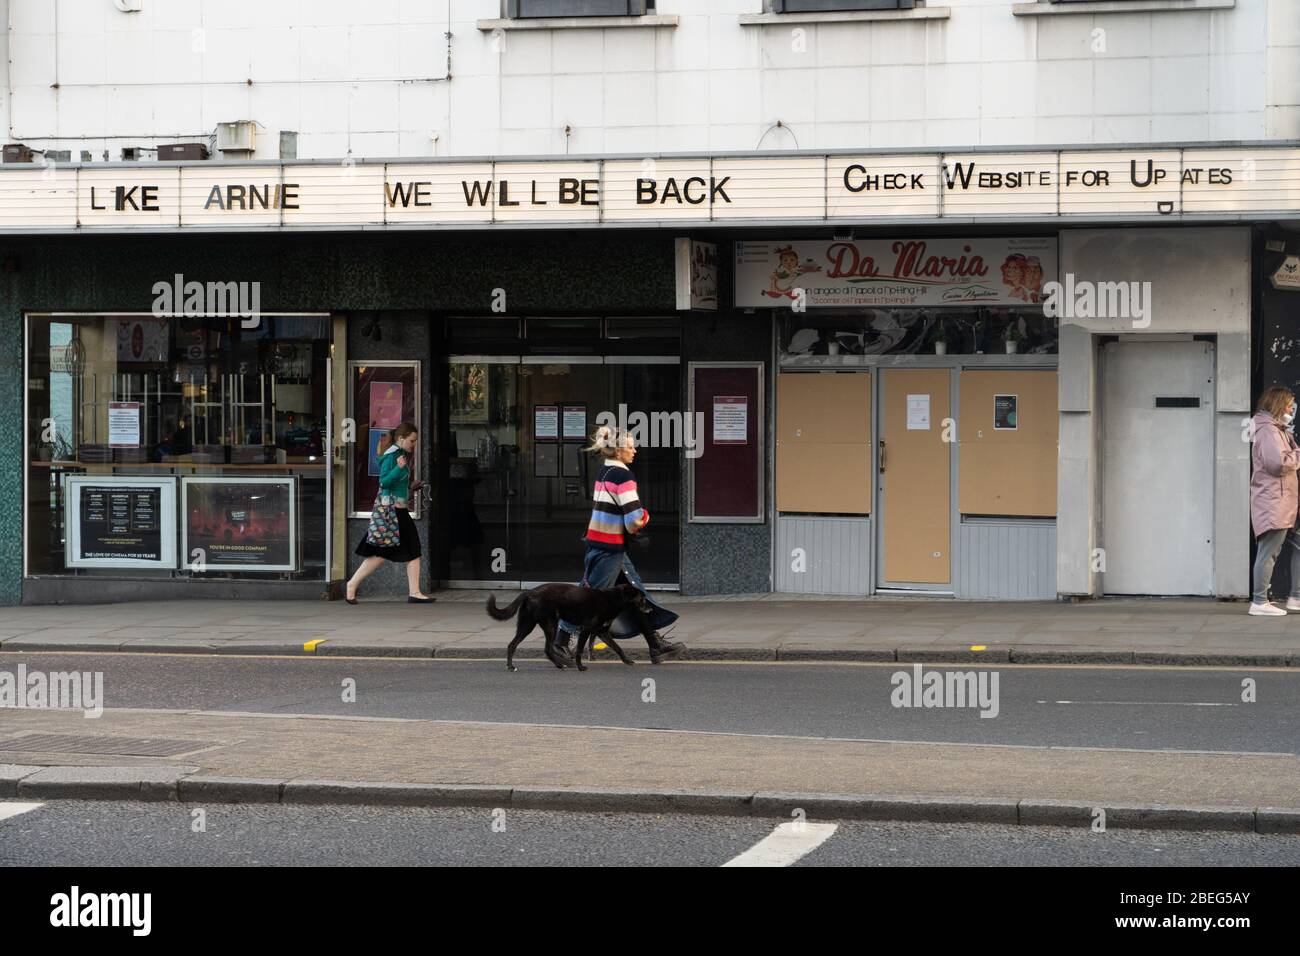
(915,477)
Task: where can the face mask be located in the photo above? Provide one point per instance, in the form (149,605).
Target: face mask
(1288,416)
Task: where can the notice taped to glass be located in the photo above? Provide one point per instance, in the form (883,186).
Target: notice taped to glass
(120,522)
(241,524)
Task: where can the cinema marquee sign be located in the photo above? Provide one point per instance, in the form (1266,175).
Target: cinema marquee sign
(1261,181)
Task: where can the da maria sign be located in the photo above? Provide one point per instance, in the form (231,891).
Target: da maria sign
(1149,183)
(894,272)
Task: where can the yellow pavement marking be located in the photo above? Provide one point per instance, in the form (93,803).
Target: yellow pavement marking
(310,646)
(599,646)
(979,647)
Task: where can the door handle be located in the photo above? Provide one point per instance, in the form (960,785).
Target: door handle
(882,456)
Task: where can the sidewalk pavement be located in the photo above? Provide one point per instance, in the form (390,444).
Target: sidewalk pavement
(761,627)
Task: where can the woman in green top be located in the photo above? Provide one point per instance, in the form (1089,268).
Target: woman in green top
(395,482)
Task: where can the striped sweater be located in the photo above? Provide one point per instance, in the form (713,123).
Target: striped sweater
(616,509)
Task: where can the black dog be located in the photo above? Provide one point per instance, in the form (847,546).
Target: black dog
(590,609)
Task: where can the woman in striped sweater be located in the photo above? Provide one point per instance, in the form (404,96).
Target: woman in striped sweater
(617,513)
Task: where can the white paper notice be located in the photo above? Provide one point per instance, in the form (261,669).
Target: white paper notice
(918,413)
(123,424)
(546,422)
(730,419)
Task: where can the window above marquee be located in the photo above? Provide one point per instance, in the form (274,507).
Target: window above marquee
(576,14)
(832,11)
(1034,8)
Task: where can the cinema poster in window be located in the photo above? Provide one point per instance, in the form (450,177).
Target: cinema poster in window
(119,522)
(884,273)
(240,524)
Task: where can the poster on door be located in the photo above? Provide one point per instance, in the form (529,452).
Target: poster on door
(575,421)
(730,419)
(546,422)
(1004,412)
(918,413)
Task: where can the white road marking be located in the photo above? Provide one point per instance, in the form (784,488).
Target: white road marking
(8,810)
(787,844)
(1142,703)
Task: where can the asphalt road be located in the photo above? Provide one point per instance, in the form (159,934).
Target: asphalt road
(75,833)
(1175,708)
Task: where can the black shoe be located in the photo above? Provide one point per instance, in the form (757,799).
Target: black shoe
(562,648)
(416,600)
(660,648)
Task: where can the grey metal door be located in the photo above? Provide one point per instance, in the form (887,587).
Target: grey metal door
(1157,460)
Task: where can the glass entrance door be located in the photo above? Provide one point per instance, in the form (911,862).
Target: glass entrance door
(519,486)
(482,489)
(561,398)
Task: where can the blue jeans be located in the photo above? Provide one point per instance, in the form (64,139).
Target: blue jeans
(602,569)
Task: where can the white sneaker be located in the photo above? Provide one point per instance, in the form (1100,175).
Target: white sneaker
(1268,610)
(1293,604)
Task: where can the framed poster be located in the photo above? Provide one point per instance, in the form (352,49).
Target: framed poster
(385,404)
(546,423)
(380,392)
(696,274)
(240,524)
(119,522)
(575,421)
(469,394)
(726,478)
(546,460)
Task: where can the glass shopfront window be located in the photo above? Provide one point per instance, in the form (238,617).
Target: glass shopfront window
(949,330)
(177,447)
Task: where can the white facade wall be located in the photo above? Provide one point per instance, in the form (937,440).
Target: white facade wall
(371,79)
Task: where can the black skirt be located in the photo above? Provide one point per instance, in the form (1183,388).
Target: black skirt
(408,547)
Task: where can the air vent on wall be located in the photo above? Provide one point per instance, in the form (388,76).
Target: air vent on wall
(235,137)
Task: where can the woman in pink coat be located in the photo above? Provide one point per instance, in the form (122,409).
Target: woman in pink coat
(1274,495)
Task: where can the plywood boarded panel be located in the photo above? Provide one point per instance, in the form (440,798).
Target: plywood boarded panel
(823,443)
(1008,471)
(821,478)
(824,407)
